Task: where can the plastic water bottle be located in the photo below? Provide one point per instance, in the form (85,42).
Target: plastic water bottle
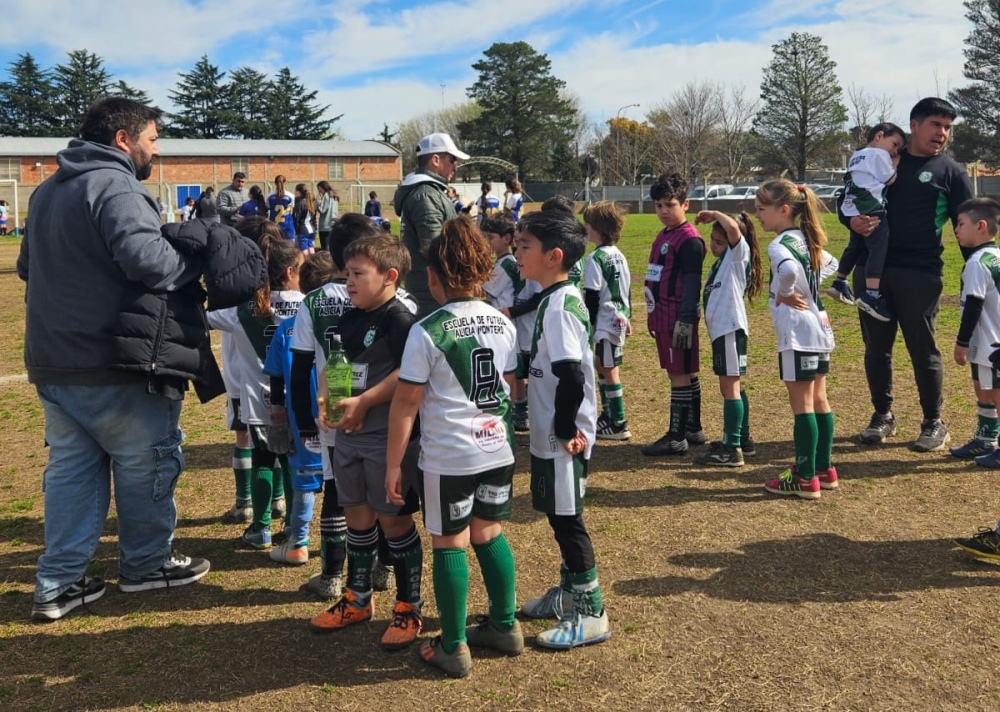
(338,379)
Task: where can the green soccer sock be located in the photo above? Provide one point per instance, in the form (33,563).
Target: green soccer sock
(616,402)
(242,469)
(805,435)
(261,488)
(408,562)
(587,599)
(989,426)
(824,441)
(451,589)
(694,414)
(283,484)
(496,561)
(333,553)
(745,429)
(680,409)
(602,387)
(732,422)
(361,547)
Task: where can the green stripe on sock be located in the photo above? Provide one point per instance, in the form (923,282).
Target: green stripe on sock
(587,598)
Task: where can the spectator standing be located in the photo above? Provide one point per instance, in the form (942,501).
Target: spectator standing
(207,208)
(373,208)
(187,212)
(326,212)
(231,198)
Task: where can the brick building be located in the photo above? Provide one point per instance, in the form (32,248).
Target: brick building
(188,166)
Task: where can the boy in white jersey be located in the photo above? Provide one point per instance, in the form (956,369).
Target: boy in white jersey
(564,419)
(505,281)
(869,172)
(451,373)
(607,283)
(979,329)
(735,274)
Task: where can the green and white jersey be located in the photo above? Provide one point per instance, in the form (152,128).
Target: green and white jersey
(981,279)
(797,329)
(250,340)
(460,353)
(607,273)
(725,285)
(315,324)
(562,335)
(864,183)
(576,274)
(504,282)
(525,324)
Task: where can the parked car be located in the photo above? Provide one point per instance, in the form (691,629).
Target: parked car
(828,192)
(700,192)
(741,192)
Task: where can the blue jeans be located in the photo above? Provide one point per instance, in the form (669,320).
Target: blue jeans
(95,433)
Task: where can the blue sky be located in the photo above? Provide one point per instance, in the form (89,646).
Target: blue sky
(381,61)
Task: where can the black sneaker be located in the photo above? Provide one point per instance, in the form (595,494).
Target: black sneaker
(609,430)
(722,456)
(879,428)
(669,444)
(177,570)
(873,306)
(747,446)
(841,291)
(80,593)
(933,436)
(985,544)
(695,437)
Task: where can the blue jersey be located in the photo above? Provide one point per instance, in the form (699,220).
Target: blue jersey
(306,459)
(282,211)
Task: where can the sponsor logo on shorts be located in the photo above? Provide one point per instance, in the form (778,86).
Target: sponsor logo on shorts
(491,494)
(808,363)
(743,361)
(459,510)
(489,432)
(583,487)
(535,372)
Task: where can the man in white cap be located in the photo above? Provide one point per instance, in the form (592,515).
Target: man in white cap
(423,207)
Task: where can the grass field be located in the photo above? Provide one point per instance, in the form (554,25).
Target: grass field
(721,597)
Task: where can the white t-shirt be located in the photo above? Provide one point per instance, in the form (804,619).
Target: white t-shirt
(460,353)
(251,337)
(607,273)
(800,330)
(980,278)
(725,286)
(562,334)
(503,282)
(864,183)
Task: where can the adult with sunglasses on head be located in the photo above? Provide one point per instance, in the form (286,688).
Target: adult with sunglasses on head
(423,207)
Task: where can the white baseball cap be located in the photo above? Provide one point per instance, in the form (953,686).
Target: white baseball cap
(439,143)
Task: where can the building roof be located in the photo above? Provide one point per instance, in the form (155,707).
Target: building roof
(236,148)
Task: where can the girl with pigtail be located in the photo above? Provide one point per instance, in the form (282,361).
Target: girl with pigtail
(251,327)
(805,338)
(735,274)
(457,371)
(281,208)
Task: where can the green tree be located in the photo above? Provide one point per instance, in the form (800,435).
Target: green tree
(246,94)
(26,100)
(292,111)
(201,99)
(802,116)
(77,83)
(524,117)
(979,103)
(120,88)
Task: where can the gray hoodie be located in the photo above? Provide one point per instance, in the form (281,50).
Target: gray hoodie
(93,231)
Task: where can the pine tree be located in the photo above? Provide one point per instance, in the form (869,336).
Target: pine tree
(292,111)
(77,84)
(26,100)
(120,88)
(201,98)
(979,103)
(246,95)
(802,115)
(524,118)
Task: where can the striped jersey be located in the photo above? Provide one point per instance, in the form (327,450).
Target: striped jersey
(981,279)
(562,335)
(607,274)
(797,329)
(460,353)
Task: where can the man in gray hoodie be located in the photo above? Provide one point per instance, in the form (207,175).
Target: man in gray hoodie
(423,207)
(93,241)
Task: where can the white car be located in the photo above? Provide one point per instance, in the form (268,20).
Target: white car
(701,192)
(741,192)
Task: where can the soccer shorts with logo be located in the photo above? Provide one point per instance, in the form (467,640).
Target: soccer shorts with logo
(729,354)
(233,416)
(558,485)
(802,365)
(608,354)
(451,501)
(359,471)
(987,377)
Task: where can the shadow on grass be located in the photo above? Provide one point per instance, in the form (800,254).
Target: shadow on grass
(184,664)
(817,568)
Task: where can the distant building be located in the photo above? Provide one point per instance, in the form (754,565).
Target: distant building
(188,166)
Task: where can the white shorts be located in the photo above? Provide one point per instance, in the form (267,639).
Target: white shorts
(987,376)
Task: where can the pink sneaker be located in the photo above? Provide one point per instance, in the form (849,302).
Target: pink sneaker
(790,484)
(828,478)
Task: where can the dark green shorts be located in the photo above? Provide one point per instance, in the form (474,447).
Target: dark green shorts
(559,485)
(451,501)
